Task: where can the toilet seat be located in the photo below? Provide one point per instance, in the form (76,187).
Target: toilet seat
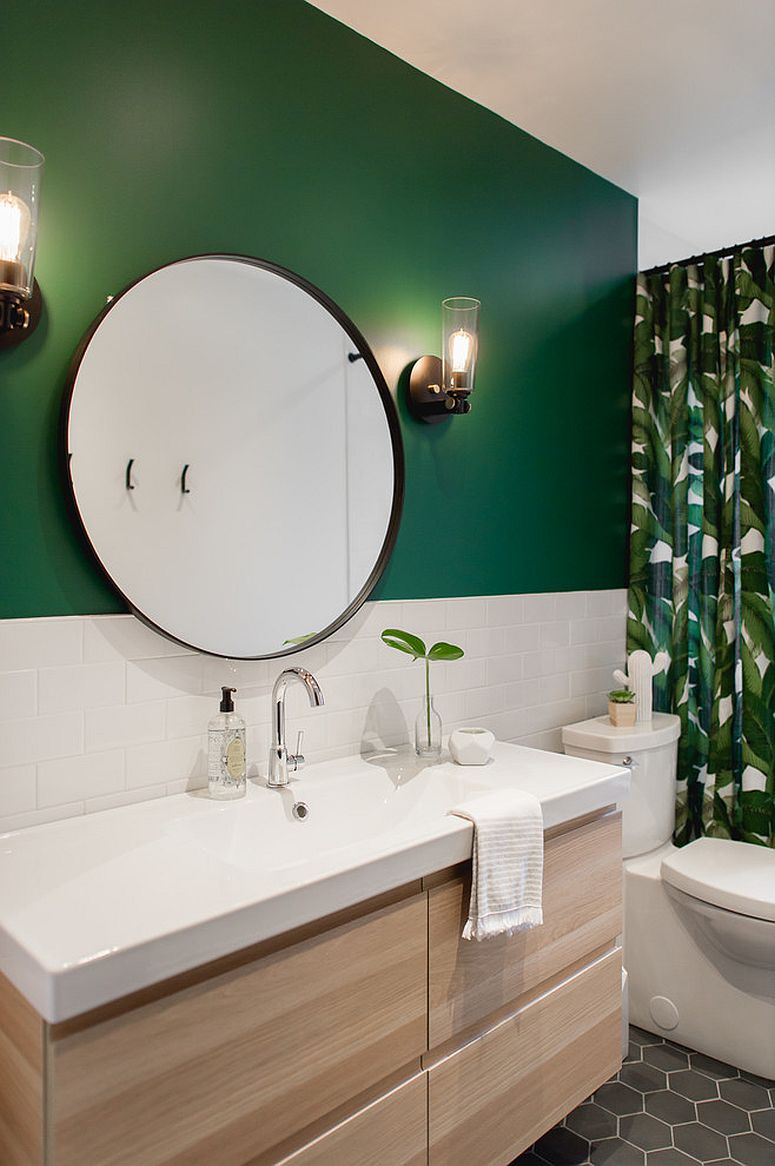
(736,876)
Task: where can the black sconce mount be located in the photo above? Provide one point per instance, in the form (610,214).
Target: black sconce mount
(428,399)
(19,317)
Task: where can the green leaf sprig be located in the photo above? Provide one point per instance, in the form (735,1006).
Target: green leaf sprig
(414,646)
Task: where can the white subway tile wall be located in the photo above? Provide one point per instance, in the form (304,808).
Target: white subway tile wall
(96,712)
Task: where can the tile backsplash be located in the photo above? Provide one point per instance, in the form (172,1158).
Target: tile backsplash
(97,711)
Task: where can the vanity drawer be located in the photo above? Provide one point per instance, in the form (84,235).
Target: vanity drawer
(226,1069)
(392,1131)
(492,1099)
(582,913)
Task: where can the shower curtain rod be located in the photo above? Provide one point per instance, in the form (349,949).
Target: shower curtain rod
(722,253)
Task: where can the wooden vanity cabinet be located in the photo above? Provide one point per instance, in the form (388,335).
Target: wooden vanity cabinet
(582,912)
(491,1099)
(375,1036)
(224,1070)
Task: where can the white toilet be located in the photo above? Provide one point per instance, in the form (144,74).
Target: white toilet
(699,921)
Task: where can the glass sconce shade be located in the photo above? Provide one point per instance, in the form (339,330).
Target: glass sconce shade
(459,343)
(21,168)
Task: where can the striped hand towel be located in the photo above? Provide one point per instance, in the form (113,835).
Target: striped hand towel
(507,882)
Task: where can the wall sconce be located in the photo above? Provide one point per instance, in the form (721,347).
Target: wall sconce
(21,168)
(440,388)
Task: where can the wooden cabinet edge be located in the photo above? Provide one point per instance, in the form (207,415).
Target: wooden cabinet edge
(577,823)
(494,1020)
(307,1149)
(22,1074)
(235,960)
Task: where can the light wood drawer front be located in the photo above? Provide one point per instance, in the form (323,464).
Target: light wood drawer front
(21,1080)
(224,1070)
(582,912)
(494,1097)
(390,1132)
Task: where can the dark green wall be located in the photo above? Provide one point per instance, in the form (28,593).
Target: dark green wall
(183,126)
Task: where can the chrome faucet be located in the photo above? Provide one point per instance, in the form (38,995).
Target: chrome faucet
(281,762)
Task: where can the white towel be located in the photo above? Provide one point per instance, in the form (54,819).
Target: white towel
(507,882)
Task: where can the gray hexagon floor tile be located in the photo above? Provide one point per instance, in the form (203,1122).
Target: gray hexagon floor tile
(713,1068)
(645,1131)
(699,1141)
(615,1152)
(618,1098)
(592,1121)
(752,1150)
(670,1107)
(745,1094)
(765,1082)
(643,1077)
(763,1122)
(561,1147)
(693,1085)
(641,1037)
(722,1116)
(666,1057)
(669,1158)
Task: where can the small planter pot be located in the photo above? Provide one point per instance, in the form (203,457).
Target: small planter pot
(622,714)
(471,746)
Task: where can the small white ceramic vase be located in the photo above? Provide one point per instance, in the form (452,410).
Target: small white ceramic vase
(471,746)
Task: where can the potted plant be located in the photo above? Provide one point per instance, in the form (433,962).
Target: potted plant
(621,707)
(427,727)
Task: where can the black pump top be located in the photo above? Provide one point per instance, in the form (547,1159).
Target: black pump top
(227,704)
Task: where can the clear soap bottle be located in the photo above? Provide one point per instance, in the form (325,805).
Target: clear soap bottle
(226,759)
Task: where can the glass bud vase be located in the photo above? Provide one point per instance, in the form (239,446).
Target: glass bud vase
(427,731)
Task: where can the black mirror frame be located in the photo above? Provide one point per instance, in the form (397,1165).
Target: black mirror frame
(363,351)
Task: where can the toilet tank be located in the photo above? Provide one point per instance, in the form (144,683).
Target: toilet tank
(650,751)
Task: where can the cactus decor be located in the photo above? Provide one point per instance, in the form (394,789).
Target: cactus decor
(427,729)
(639,676)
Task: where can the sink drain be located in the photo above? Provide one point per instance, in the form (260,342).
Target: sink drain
(300,811)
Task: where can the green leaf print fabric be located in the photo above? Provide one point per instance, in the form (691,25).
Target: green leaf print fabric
(702,557)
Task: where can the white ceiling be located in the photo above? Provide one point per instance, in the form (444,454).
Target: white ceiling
(674,100)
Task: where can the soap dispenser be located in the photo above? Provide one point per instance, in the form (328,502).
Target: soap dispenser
(226,762)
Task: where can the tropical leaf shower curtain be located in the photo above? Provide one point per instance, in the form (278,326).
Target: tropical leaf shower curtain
(702,569)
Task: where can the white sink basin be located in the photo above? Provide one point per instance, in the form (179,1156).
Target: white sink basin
(343,810)
(95,907)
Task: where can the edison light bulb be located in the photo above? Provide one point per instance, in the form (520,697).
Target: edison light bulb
(460,344)
(14,226)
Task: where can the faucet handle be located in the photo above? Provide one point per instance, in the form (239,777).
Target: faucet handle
(297,760)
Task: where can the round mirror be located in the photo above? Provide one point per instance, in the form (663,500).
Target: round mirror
(234,455)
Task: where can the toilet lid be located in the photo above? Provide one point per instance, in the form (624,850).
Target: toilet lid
(599,735)
(737,876)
